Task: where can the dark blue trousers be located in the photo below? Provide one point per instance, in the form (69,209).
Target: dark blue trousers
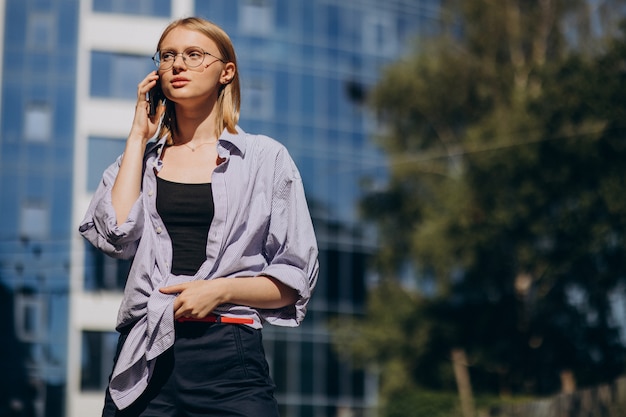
(212,370)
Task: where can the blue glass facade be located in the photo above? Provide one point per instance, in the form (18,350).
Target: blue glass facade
(36,158)
(306,67)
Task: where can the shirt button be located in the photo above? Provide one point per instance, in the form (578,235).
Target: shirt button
(150,193)
(159,230)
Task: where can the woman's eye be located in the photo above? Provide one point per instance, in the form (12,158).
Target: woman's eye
(166,56)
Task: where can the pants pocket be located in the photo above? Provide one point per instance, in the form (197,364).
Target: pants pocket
(249,345)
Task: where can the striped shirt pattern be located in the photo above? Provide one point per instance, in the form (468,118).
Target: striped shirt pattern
(261,226)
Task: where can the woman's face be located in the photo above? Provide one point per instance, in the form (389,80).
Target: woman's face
(182,83)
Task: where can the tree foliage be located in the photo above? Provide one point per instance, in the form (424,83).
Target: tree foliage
(506,140)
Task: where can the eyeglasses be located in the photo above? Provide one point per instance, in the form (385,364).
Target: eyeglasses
(192,57)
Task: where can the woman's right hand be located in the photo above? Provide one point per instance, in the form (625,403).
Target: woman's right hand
(144,126)
(127,184)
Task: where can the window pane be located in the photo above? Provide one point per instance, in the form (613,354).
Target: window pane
(256,17)
(257,98)
(29,317)
(34,221)
(97,353)
(332,368)
(379,34)
(100,74)
(101,152)
(224,12)
(332,265)
(307,368)
(123,68)
(103,272)
(280,366)
(41,31)
(116,75)
(38,123)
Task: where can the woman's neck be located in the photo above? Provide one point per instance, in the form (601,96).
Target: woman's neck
(195,124)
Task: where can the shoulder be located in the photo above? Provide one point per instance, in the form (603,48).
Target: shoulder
(258,150)
(244,143)
(271,155)
(267,148)
(264,144)
(257,146)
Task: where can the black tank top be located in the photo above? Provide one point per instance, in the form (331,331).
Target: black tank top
(187,211)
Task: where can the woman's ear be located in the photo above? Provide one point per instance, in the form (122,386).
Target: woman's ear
(228,73)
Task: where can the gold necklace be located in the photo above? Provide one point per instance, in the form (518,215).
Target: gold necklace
(193,148)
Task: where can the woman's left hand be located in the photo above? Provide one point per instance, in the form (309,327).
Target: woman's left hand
(196,299)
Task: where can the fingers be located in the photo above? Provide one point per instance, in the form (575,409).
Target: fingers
(146,85)
(173,289)
(141,122)
(188,310)
(181,308)
(194,299)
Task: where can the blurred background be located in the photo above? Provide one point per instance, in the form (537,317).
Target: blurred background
(464,166)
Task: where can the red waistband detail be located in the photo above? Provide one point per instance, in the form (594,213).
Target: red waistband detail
(214,318)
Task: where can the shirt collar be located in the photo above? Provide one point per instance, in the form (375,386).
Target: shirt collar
(238,139)
(155,145)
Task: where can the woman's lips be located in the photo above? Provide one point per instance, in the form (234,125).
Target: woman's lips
(179,82)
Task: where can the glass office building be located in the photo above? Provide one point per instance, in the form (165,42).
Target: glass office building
(69,74)
(38,44)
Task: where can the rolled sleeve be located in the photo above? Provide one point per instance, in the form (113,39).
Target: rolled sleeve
(100,228)
(291,248)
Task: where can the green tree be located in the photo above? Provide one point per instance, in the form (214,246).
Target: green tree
(506,144)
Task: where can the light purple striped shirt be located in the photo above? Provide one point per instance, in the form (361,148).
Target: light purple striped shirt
(261,226)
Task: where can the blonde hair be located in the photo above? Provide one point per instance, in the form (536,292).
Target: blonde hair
(229,95)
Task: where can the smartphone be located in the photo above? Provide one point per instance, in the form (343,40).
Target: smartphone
(155,97)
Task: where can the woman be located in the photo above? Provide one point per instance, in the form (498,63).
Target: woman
(222,240)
